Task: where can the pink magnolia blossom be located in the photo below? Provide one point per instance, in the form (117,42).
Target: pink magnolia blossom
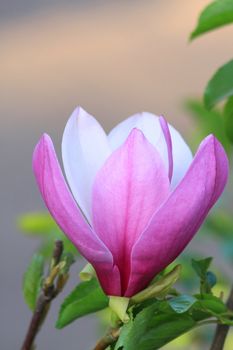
(136,197)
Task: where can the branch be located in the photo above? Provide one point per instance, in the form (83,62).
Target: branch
(222,330)
(57,252)
(110,338)
(48,293)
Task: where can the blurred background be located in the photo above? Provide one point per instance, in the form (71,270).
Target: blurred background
(114,58)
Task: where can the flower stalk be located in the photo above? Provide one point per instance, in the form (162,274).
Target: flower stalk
(111,336)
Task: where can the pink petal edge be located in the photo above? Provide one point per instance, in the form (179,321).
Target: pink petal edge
(168,139)
(175,223)
(66,213)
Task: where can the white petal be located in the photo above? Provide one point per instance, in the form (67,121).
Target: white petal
(150,126)
(182,156)
(84,150)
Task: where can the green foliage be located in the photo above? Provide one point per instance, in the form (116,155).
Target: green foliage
(221,224)
(124,335)
(162,321)
(152,328)
(36,223)
(156,321)
(220,85)
(209,122)
(210,304)
(159,287)
(32,280)
(228,116)
(215,15)
(43,226)
(207,278)
(201,266)
(86,298)
(182,303)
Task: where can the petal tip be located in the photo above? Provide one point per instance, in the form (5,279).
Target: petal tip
(44,144)
(81,118)
(44,140)
(45,137)
(77,114)
(210,139)
(135,134)
(215,150)
(79,111)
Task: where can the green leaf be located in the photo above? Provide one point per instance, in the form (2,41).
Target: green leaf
(158,288)
(153,328)
(207,278)
(32,280)
(43,225)
(215,15)
(182,303)
(226,321)
(210,303)
(123,335)
(87,273)
(228,116)
(36,223)
(220,85)
(201,266)
(208,122)
(86,298)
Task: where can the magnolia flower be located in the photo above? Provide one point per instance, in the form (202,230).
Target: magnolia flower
(136,197)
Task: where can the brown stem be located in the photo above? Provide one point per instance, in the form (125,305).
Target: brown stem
(57,252)
(48,293)
(38,316)
(222,330)
(108,339)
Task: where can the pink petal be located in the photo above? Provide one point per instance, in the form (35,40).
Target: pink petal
(66,213)
(167,136)
(175,223)
(127,190)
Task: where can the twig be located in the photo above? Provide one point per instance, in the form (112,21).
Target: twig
(48,293)
(222,330)
(110,338)
(57,252)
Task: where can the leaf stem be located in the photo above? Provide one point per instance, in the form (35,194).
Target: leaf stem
(48,293)
(111,336)
(222,330)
